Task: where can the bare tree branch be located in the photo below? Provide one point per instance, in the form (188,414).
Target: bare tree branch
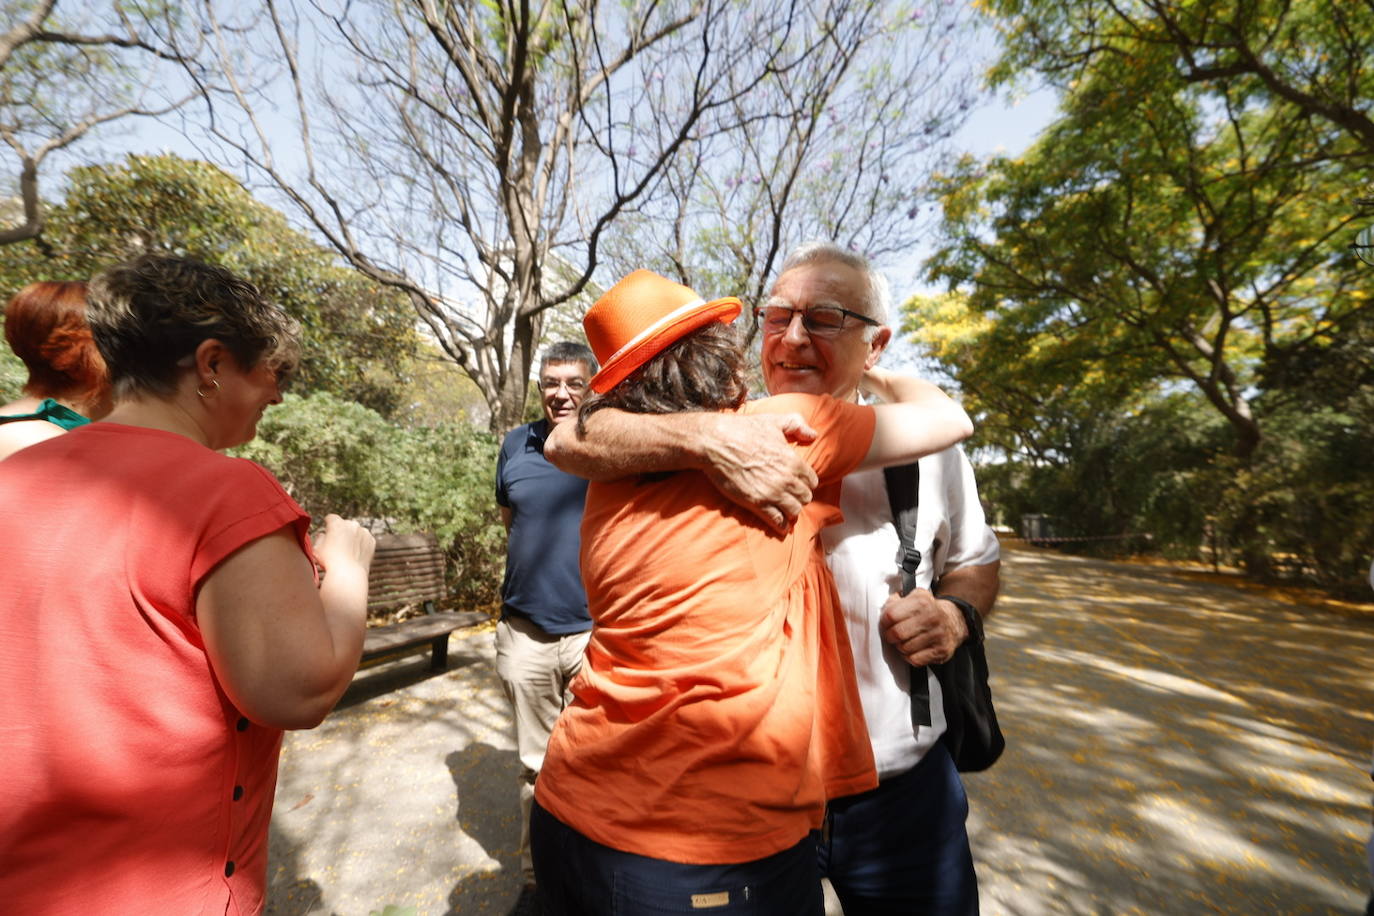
(63,101)
(482,156)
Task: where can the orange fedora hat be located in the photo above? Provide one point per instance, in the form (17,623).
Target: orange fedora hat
(640,317)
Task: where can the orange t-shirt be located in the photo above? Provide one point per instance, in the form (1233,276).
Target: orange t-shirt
(131,783)
(716,710)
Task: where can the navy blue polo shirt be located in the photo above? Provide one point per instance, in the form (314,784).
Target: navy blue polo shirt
(543,579)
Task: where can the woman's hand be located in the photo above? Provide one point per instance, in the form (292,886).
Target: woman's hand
(344,544)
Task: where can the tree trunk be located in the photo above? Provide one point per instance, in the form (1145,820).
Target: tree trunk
(508,408)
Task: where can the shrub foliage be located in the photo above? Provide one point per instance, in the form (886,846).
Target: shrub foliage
(338,456)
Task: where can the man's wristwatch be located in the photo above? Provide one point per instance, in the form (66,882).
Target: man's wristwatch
(971,617)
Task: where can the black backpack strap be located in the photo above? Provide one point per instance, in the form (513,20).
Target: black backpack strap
(903,495)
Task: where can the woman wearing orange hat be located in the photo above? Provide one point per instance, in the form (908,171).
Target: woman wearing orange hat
(713,716)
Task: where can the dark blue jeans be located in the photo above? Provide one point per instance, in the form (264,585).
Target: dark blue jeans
(578,877)
(902,848)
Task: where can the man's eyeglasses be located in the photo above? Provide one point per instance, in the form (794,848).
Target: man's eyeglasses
(820,320)
(574,386)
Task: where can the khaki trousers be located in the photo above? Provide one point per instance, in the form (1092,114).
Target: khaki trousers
(535,668)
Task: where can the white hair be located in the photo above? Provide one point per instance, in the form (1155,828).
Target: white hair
(876,303)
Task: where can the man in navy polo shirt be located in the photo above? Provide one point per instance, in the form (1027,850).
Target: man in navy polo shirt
(544,625)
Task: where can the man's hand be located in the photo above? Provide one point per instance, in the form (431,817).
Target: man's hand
(750,459)
(924,629)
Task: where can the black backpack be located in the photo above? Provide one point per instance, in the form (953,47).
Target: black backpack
(971,734)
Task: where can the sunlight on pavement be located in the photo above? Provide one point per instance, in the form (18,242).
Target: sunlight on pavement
(1173,746)
(1208,841)
(1147,676)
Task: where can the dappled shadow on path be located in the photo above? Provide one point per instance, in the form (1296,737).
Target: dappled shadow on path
(488,811)
(365,811)
(1173,747)
(289,893)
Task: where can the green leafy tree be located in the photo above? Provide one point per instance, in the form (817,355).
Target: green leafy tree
(358,335)
(1150,466)
(12,376)
(438,392)
(1154,230)
(1312,56)
(1175,242)
(1309,493)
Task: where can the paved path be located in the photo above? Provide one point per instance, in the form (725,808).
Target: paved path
(1175,747)
(405,796)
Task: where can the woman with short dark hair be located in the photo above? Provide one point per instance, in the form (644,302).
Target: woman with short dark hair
(714,714)
(45,326)
(161,615)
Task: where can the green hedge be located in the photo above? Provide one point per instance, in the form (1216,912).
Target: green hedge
(338,456)
(13,375)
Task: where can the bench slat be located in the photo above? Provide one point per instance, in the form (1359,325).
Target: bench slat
(406,569)
(419,629)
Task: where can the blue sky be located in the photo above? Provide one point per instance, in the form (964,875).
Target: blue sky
(1008,126)
(1002,126)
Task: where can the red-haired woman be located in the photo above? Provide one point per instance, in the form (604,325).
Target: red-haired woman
(45,326)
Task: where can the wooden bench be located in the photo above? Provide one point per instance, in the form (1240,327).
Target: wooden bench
(409,569)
